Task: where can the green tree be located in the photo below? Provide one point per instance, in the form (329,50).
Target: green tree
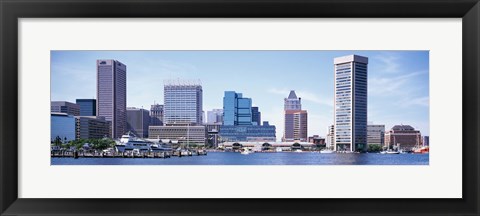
(374,148)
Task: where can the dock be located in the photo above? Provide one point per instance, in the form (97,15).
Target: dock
(126,154)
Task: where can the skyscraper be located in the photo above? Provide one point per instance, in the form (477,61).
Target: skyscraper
(292,102)
(237,110)
(112,94)
(295,119)
(138,121)
(156,115)
(350,103)
(88,107)
(256,116)
(183,102)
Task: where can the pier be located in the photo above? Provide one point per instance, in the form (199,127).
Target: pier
(126,154)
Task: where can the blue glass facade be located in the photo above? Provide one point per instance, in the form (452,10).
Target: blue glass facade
(237,110)
(237,133)
(256,116)
(88,107)
(350,103)
(63,126)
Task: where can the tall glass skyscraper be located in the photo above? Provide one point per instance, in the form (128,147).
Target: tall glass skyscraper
(183,102)
(112,94)
(237,110)
(88,107)
(350,103)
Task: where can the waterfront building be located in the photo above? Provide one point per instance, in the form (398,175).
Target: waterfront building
(350,111)
(317,140)
(330,140)
(375,134)
(112,94)
(266,145)
(256,116)
(91,127)
(295,119)
(426,141)
(183,102)
(184,134)
(213,137)
(65,107)
(138,121)
(237,110)
(88,107)
(156,115)
(62,125)
(231,133)
(215,116)
(404,136)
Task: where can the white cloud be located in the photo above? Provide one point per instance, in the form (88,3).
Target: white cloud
(392,85)
(390,62)
(420,101)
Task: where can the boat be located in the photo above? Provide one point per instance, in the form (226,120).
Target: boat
(422,150)
(393,152)
(246,151)
(389,151)
(130,142)
(326,151)
(278,149)
(298,150)
(185,152)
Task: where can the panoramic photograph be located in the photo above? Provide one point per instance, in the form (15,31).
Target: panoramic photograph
(235,107)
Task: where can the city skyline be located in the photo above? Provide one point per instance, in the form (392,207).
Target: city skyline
(398,81)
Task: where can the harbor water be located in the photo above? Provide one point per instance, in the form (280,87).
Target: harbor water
(278,158)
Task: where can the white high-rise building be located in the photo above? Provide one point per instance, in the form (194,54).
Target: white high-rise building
(183,102)
(350,111)
(112,95)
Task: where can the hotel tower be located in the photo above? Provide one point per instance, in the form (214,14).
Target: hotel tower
(350,103)
(295,119)
(112,95)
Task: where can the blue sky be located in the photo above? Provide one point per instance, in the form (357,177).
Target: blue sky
(398,81)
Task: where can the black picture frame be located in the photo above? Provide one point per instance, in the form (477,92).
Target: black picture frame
(12,10)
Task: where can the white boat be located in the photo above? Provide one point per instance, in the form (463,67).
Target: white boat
(389,152)
(185,152)
(298,150)
(246,151)
(326,151)
(129,142)
(393,152)
(278,149)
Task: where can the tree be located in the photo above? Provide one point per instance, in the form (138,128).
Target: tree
(57,141)
(374,148)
